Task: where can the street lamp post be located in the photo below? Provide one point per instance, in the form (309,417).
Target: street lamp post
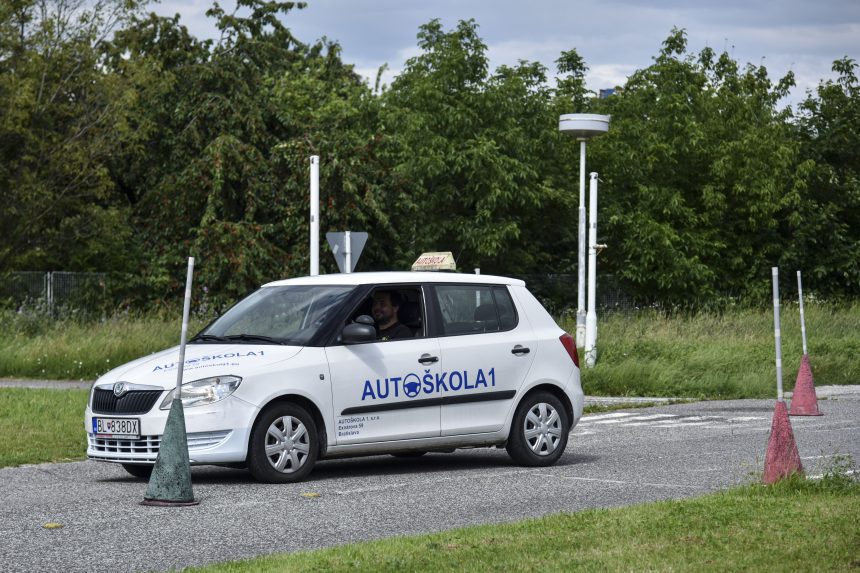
(582,126)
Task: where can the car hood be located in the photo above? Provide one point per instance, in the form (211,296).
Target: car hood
(201,361)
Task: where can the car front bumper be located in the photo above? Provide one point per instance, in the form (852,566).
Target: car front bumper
(216,433)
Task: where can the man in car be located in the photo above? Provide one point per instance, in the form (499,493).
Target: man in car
(385,307)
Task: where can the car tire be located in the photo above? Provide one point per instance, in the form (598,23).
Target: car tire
(539,431)
(138,471)
(284,444)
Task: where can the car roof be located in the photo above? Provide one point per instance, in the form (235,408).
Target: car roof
(396,277)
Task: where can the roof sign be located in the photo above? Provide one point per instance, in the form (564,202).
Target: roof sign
(435,262)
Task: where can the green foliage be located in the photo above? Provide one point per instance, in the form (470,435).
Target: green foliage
(127,144)
(827,240)
(61,121)
(471,148)
(699,168)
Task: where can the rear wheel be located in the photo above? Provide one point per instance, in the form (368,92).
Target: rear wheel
(284,444)
(138,471)
(538,431)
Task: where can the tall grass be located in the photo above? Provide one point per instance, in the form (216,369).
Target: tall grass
(72,349)
(726,354)
(721,355)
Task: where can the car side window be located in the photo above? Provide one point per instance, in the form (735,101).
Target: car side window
(470,309)
(401,308)
(507,310)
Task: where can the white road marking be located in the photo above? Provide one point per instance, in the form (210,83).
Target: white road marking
(591,418)
(620,482)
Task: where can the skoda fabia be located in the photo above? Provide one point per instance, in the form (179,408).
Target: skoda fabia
(354,364)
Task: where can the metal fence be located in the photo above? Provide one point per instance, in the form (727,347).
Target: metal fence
(54,291)
(60,292)
(558,293)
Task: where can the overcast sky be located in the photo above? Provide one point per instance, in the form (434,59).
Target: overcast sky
(615,37)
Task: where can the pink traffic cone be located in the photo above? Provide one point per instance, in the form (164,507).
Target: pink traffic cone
(782,458)
(803,401)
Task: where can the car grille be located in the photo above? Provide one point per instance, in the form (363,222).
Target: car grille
(133,402)
(146,448)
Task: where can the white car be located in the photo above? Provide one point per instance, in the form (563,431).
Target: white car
(295,373)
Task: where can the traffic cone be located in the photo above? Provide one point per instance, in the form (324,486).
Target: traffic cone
(170,483)
(782,458)
(803,400)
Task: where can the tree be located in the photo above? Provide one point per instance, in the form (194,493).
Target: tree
(699,170)
(826,241)
(60,122)
(468,147)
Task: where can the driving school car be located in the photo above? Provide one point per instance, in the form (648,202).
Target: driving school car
(294,373)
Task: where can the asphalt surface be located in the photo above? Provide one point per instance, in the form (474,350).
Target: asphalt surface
(613,459)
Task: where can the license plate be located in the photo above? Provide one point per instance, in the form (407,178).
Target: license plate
(117,427)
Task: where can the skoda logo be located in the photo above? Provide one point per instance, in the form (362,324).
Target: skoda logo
(411,385)
(119,389)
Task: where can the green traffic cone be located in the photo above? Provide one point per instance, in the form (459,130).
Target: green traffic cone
(170,482)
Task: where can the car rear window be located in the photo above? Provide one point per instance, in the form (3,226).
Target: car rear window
(471,309)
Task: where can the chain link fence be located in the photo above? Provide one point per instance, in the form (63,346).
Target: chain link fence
(558,293)
(55,292)
(60,293)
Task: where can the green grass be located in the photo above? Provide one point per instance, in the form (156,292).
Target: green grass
(75,350)
(41,425)
(708,355)
(795,525)
(720,356)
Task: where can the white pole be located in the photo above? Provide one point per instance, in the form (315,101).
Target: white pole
(591,317)
(802,317)
(315,215)
(777,333)
(347,252)
(580,298)
(186,309)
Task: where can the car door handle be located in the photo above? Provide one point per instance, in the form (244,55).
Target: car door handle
(520,350)
(427,359)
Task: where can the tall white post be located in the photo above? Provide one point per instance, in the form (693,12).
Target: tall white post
(347,252)
(580,294)
(315,215)
(777,333)
(591,317)
(186,310)
(582,126)
(802,317)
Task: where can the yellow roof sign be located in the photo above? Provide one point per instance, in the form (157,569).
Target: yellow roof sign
(435,262)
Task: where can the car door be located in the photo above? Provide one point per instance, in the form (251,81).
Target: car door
(486,350)
(384,390)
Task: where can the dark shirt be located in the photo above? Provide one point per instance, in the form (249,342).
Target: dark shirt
(396,330)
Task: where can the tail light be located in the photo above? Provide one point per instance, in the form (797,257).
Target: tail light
(570,345)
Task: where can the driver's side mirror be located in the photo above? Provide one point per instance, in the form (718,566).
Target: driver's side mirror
(360,331)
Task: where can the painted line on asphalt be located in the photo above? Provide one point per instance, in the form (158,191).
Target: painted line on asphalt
(619,482)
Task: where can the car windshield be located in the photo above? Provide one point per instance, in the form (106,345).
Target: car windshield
(277,315)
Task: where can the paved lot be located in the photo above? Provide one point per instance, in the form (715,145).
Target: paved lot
(613,459)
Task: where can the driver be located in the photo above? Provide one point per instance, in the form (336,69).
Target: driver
(385,307)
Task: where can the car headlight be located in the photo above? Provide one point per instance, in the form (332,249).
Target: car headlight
(203,391)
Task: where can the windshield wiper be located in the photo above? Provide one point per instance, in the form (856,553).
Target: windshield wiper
(255,338)
(209,338)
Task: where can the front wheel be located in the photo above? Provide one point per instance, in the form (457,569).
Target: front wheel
(284,444)
(538,431)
